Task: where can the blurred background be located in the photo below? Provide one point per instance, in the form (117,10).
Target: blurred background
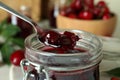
(39,9)
(113,4)
(45,13)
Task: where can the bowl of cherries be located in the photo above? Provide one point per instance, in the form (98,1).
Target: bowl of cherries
(88,16)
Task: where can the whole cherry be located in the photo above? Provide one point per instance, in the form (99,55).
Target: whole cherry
(106,10)
(16,57)
(115,78)
(68,40)
(65,11)
(101,4)
(72,15)
(50,37)
(55,39)
(86,15)
(96,11)
(76,4)
(106,16)
(89,4)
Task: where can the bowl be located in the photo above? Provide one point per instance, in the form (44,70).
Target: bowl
(98,27)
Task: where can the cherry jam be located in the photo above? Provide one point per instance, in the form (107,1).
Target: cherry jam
(88,74)
(66,40)
(62,50)
(91,73)
(68,55)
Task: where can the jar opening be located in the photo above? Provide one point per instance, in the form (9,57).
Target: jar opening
(89,42)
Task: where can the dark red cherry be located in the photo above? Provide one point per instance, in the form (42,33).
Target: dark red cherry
(16,57)
(106,10)
(72,36)
(101,4)
(76,4)
(106,16)
(89,4)
(115,78)
(69,34)
(97,11)
(66,10)
(68,40)
(72,15)
(65,41)
(50,37)
(63,11)
(86,15)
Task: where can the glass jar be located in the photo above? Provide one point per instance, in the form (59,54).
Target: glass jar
(41,65)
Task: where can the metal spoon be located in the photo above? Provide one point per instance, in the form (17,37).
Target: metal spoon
(30,21)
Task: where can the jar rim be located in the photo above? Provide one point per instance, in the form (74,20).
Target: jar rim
(84,56)
(99,47)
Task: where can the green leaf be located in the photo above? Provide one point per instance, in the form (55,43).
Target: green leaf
(10,31)
(2,25)
(6,51)
(11,42)
(114,72)
(19,42)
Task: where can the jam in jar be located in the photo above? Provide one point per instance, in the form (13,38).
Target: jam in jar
(44,62)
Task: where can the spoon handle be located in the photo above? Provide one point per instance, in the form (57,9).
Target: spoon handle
(12,11)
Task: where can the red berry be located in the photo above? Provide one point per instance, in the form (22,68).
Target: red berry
(65,41)
(72,15)
(16,57)
(50,37)
(89,4)
(86,15)
(76,4)
(66,10)
(63,11)
(106,16)
(106,10)
(71,35)
(68,40)
(97,11)
(101,4)
(115,78)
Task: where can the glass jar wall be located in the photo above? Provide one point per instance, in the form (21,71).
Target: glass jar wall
(40,65)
